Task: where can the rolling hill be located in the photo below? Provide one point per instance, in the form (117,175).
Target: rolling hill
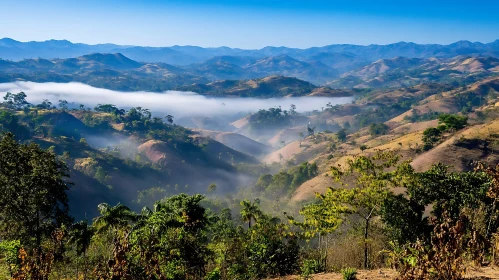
(272,86)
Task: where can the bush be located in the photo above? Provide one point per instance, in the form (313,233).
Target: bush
(214,275)
(376,129)
(342,135)
(309,267)
(455,122)
(349,273)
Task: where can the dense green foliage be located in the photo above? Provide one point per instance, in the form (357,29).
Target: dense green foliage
(377,129)
(34,200)
(285,182)
(447,122)
(273,118)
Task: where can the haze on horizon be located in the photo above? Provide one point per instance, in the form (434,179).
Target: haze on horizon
(250,24)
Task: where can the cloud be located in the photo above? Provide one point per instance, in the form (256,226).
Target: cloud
(176,103)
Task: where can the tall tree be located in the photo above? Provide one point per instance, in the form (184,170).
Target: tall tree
(33,186)
(81,236)
(113,217)
(250,211)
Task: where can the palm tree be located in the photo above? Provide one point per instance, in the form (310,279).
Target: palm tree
(81,236)
(113,217)
(250,211)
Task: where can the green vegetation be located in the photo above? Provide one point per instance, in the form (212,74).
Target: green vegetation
(454,122)
(377,129)
(447,122)
(418,117)
(273,118)
(349,273)
(382,113)
(285,182)
(341,135)
(194,237)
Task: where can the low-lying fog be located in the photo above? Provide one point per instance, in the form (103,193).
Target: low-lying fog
(176,103)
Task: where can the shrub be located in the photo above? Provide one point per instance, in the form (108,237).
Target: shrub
(342,135)
(214,275)
(455,122)
(309,267)
(349,273)
(376,129)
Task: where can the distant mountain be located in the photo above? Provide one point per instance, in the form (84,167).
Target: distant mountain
(331,55)
(273,86)
(92,68)
(336,66)
(234,67)
(401,71)
(214,77)
(112,71)
(384,66)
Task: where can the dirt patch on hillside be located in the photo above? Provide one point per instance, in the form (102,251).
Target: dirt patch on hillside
(441,105)
(413,127)
(240,123)
(237,142)
(288,135)
(284,153)
(308,189)
(158,152)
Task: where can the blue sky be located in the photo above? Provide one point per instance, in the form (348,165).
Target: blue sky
(250,23)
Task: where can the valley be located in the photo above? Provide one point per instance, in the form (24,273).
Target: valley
(299,150)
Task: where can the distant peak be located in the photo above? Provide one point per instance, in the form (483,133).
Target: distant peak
(6,39)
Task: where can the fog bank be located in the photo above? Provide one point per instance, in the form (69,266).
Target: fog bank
(176,103)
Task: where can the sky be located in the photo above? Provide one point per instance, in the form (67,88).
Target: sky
(250,24)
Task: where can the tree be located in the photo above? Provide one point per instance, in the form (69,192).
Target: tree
(34,189)
(81,236)
(46,104)
(271,249)
(311,130)
(250,211)
(341,135)
(169,118)
(454,122)
(320,219)
(263,182)
(16,100)
(372,185)
(376,129)
(303,173)
(9,122)
(63,104)
(431,135)
(269,119)
(171,240)
(292,110)
(211,188)
(113,217)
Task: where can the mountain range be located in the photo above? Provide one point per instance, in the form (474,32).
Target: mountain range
(183,55)
(215,71)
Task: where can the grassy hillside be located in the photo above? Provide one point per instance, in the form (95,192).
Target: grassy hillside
(113,155)
(403,72)
(273,86)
